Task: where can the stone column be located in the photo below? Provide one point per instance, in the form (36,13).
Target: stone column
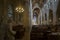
(17,17)
(54,18)
(47,15)
(5,11)
(44,16)
(31,13)
(27,20)
(39,20)
(3,27)
(55,5)
(41,11)
(1,13)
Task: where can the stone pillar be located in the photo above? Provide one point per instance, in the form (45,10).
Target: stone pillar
(55,5)
(44,16)
(39,20)
(31,14)
(54,12)
(54,18)
(44,19)
(30,18)
(3,27)
(47,15)
(27,20)
(1,13)
(14,13)
(41,11)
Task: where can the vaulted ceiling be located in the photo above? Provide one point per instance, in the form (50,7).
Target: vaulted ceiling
(40,2)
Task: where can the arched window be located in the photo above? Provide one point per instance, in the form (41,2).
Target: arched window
(35,16)
(10,13)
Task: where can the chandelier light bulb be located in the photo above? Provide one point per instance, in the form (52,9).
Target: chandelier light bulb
(19,9)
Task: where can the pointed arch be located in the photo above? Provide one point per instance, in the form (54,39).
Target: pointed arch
(36,13)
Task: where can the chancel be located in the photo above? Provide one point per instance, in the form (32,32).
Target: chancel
(29,19)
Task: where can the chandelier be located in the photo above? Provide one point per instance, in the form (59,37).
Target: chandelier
(19,9)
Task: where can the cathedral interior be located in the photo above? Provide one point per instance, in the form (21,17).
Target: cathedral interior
(29,19)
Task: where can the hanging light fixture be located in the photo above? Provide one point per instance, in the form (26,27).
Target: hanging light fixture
(19,9)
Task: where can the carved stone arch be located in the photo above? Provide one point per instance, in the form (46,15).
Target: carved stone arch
(36,6)
(36,13)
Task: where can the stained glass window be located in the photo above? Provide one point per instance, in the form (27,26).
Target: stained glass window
(10,11)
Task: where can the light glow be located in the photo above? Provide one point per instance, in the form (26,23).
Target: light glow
(19,9)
